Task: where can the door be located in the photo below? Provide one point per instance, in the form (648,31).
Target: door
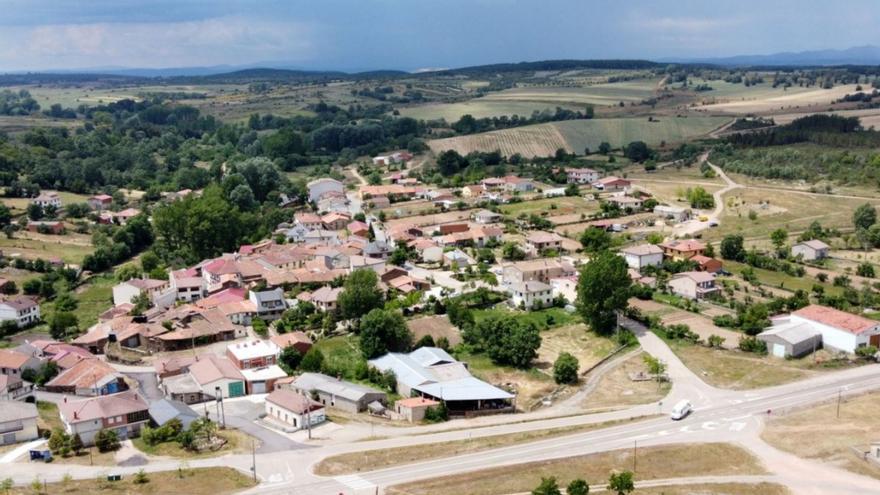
(874,340)
(258,387)
(8,439)
(236,389)
(779,350)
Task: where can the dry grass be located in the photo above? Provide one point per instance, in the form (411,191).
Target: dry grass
(717,489)
(577,340)
(378,459)
(857,425)
(736,370)
(236,442)
(49,417)
(653,463)
(88,457)
(436,327)
(529,141)
(202,481)
(762,100)
(616,390)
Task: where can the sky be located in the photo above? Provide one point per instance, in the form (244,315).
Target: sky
(355,35)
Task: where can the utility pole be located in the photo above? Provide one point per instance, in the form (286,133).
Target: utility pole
(839,393)
(254,460)
(635,445)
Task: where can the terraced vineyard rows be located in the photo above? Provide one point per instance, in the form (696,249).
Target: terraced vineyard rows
(530,141)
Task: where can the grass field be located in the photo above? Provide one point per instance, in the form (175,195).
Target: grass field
(46,247)
(552,206)
(856,427)
(663,462)
(615,389)
(236,442)
(595,94)
(763,98)
(200,481)
(378,459)
(478,108)
(576,135)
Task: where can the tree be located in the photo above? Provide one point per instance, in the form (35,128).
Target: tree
(382,331)
(61,323)
(603,290)
(149,261)
(289,359)
(621,483)
(510,251)
(637,151)
(732,248)
(864,217)
(58,440)
(655,366)
(595,239)
(450,162)
(506,339)
(578,487)
(865,270)
(34,211)
(5,215)
(312,361)
(778,237)
(107,440)
(548,486)
(565,369)
(572,190)
(76,443)
(699,198)
(604,148)
(755,319)
(360,294)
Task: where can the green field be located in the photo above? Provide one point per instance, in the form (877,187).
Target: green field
(479,108)
(596,94)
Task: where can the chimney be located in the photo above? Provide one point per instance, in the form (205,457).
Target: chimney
(65,399)
(75,415)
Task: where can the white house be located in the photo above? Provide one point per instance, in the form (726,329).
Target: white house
(674,213)
(125,413)
(530,294)
(320,187)
(811,250)
(24,310)
(48,199)
(840,330)
(582,175)
(18,422)
(565,287)
(693,285)
(638,257)
(293,409)
(211,372)
(126,292)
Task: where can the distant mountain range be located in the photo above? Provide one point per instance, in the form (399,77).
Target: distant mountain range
(858,55)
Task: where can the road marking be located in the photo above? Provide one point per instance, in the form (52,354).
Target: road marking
(710,425)
(639,437)
(737,426)
(663,433)
(745,416)
(354,482)
(686,429)
(275,478)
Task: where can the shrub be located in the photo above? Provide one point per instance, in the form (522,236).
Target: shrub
(565,369)
(260,327)
(752,344)
(726,321)
(141,477)
(867,352)
(107,441)
(715,341)
(437,414)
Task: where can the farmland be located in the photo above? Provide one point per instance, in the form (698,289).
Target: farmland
(479,108)
(576,135)
(758,99)
(597,94)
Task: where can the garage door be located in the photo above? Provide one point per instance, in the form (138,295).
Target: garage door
(779,350)
(258,387)
(236,389)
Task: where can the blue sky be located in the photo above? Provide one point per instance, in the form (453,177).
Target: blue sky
(412,34)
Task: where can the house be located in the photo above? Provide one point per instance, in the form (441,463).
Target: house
(841,331)
(164,410)
(682,250)
(321,236)
(482,235)
(457,259)
(530,295)
(791,339)
(125,413)
(335,220)
(493,183)
(707,264)
(811,250)
(125,215)
(392,191)
(88,377)
(413,409)
(100,202)
(364,262)
(47,198)
(358,228)
(308,220)
(216,375)
(541,270)
(336,393)
(555,192)
(540,241)
(18,422)
(564,287)
(262,380)
(674,213)
(128,291)
(377,249)
(14,363)
(432,373)
(319,187)
(693,285)
(184,388)
(487,216)
(21,309)
(472,191)
(46,226)
(325,298)
(12,387)
(638,257)
(581,176)
(626,203)
(514,184)
(253,354)
(270,304)
(294,409)
(611,183)
(172,366)
(187,285)
(298,340)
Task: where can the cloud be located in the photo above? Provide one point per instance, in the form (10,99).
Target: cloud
(212,41)
(691,25)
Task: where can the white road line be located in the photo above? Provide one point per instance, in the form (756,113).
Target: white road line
(354,482)
(738,426)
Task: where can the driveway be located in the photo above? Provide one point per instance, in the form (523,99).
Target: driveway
(242,414)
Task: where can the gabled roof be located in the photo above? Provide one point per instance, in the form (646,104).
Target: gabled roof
(698,277)
(292,338)
(292,401)
(642,250)
(323,383)
(211,368)
(815,244)
(87,373)
(104,406)
(836,318)
(12,359)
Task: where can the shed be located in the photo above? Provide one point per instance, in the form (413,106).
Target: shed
(791,339)
(164,410)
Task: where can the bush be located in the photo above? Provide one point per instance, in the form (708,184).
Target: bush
(107,441)
(715,341)
(141,477)
(565,369)
(260,327)
(437,414)
(752,344)
(726,321)
(867,352)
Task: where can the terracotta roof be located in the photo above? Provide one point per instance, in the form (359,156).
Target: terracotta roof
(19,303)
(292,338)
(88,373)
(12,359)
(210,368)
(684,246)
(416,402)
(642,250)
(292,401)
(697,277)
(173,364)
(146,283)
(838,319)
(105,406)
(542,237)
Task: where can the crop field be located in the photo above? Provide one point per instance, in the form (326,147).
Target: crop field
(478,108)
(758,99)
(556,206)
(869,117)
(576,135)
(595,94)
(74,96)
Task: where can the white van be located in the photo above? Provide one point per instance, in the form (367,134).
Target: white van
(681,410)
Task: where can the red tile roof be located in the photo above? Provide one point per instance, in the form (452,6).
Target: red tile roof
(838,319)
